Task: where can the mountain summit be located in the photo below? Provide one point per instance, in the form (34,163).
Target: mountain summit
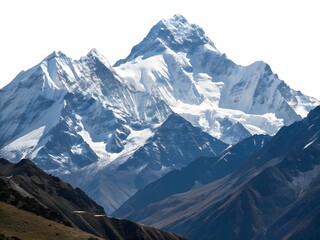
(178,63)
(175,33)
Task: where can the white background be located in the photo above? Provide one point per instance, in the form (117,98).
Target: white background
(283,33)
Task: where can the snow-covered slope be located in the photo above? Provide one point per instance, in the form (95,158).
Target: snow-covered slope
(178,63)
(77,120)
(66,114)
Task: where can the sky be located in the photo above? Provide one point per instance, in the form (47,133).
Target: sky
(283,33)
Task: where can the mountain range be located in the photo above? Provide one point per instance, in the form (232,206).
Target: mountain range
(258,189)
(115,129)
(199,172)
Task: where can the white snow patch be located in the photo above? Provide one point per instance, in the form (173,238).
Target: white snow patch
(79,212)
(26,143)
(306,146)
(223,157)
(135,140)
(98,147)
(76,149)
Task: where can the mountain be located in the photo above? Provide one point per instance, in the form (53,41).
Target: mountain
(26,186)
(104,128)
(76,117)
(171,151)
(80,119)
(174,145)
(273,195)
(178,63)
(199,172)
(67,114)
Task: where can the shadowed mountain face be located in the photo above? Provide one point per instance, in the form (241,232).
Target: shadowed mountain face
(26,186)
(200,172)
(273,195)
(173,145)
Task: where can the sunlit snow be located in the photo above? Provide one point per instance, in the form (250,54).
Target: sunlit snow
(25,144)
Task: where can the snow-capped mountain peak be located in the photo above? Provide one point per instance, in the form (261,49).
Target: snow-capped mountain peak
(178,63)
(177,30)
(95,54)
(55,54)
(176,18)
(55,95)
(175,34)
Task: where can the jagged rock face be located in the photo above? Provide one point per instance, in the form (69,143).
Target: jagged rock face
(59,110)
(172,146)
(166,151)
